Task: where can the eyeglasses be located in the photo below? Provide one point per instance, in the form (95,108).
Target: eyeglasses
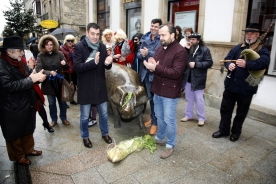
(70,41)
(136,39)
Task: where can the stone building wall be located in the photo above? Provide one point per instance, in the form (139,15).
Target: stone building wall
(68,13)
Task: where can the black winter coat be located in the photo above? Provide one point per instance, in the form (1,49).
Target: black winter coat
(17,99)
(203,61)
(91,77)
(237,83)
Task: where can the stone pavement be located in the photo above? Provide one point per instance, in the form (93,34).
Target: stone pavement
(198,158)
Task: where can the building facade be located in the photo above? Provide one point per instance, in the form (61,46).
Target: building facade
(219,22)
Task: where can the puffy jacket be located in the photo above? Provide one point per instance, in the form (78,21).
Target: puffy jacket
(17,99)
(237,83)
(203,61)
(151,45)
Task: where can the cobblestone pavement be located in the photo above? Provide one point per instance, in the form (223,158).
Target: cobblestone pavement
(198,158)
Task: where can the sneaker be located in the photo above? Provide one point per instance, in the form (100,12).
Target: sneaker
(200,123)
(148,123)
(153,130)
(185,119)
(166,153)
(92,122)
(161,142)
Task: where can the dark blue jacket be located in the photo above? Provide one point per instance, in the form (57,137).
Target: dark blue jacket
(91,77)
(237,83)
(151,45)
(203,61)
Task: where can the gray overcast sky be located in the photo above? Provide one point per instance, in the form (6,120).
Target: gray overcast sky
(5,4)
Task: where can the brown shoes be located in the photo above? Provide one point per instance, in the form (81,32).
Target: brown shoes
(147,123)
(166,153)
(107,139)
(153,130)
(66,122)
(35,153)
(87,143)
(24,161)
(53,124)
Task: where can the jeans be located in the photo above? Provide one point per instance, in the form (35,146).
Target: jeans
(84,116)
(194,97)
(165,111)
(150,97)
(53,108)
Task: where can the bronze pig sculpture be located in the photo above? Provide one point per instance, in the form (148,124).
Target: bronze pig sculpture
(126,94)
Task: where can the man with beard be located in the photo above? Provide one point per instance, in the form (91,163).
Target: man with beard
(237,90)
(200,60)
(168,65)
(149,43)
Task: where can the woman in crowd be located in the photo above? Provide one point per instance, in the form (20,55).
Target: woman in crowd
(107,38)
(136,63)
(67,50)
(123,50)
(188,31)
(178,35)
(40,102)
(53,62)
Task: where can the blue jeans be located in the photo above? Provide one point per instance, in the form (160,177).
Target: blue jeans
(150,97)
(53,108)
(165,111)
(84,116)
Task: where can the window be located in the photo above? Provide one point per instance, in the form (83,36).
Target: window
(178,7)
(133,22)
(103,14)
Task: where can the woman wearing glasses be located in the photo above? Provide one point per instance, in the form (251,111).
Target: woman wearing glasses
(53,62)
(67,50)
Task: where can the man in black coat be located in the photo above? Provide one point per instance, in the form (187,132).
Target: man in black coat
(237,89)
(17,99)
(90,61)
(195,76)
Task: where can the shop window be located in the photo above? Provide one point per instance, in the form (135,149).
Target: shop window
(264,13)
(103,14)
(133,22)
(184,13)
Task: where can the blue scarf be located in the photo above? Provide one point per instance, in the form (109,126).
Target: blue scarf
(94,47)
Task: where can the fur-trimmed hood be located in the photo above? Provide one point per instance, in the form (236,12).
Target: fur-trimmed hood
(42,49)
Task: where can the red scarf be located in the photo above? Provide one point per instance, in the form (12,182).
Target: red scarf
(18,64)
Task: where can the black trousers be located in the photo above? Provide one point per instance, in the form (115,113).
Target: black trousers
(226,110)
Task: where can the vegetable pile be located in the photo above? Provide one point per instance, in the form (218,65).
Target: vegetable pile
(124,148)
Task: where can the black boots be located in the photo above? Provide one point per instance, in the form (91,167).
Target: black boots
(47,126)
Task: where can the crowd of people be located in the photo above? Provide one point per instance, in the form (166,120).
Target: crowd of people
(168,63)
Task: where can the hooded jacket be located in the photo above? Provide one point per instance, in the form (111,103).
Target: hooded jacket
(49,61)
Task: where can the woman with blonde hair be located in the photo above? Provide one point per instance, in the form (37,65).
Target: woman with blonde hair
(107,37)
(123,50)
(68,51)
